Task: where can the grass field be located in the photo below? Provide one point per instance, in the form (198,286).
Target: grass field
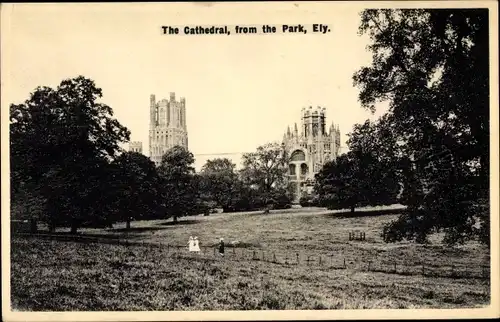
(262,273)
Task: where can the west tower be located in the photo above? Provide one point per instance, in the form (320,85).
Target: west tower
(167,126)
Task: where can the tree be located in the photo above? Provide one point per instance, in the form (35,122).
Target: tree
(135,186)
(353,181)
(179,185)
(61,143)
(219,182)
(374,149)
(432,67)
(366,175)
(266,169)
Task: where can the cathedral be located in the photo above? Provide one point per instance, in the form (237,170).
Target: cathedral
(310,148)
(167,126)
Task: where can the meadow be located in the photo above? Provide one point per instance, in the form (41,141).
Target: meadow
(293,259)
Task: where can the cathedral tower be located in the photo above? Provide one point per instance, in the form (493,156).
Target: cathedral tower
(310,148)
(167,126)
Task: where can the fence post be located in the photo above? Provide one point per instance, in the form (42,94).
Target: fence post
(297,258)
(369,265)
(350,236)
(344,264)
(320,260)
(395,270)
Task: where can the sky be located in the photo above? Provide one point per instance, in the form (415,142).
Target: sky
(241,91)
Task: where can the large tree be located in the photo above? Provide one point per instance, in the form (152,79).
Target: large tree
(179,185)
(61,142)
(267,167)
(136,187)
(219,182)
(355,180)
(432,67)
(266,171)
(367,175)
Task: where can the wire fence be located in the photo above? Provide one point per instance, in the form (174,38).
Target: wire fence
(327,261)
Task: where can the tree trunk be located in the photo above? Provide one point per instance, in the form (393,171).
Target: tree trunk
(128,223)
(175,218)
(33,226)
(52,227)
(74,227)
(352,209)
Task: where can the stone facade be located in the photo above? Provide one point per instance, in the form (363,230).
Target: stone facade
(167,126)
(309,148)
(135,147)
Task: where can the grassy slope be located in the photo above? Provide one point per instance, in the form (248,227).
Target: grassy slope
(54,275)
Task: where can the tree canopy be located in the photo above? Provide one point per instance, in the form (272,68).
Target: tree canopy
(179,185)
(136,187)
(432,67)
(61,143)
(266,171)
(219,182)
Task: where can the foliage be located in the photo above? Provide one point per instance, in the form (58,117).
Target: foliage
(265,171)
(219,182)
(309,200)
(136,185)
(61,143)
(361,177)
(179,185)
(266,168)
(432,67)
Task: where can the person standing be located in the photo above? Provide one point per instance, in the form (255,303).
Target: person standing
(191,244)
(196,245)
(221,247)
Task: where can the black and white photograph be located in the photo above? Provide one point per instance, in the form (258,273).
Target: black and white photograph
(249,160)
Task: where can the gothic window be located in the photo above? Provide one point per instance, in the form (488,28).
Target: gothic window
(303,169)
(315,129)
(291,169)
(162,116)
(298,155)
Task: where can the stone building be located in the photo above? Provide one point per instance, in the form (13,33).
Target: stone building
(167,126)
(135,146)
(309,148)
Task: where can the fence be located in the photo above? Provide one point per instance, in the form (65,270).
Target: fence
(329,261)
